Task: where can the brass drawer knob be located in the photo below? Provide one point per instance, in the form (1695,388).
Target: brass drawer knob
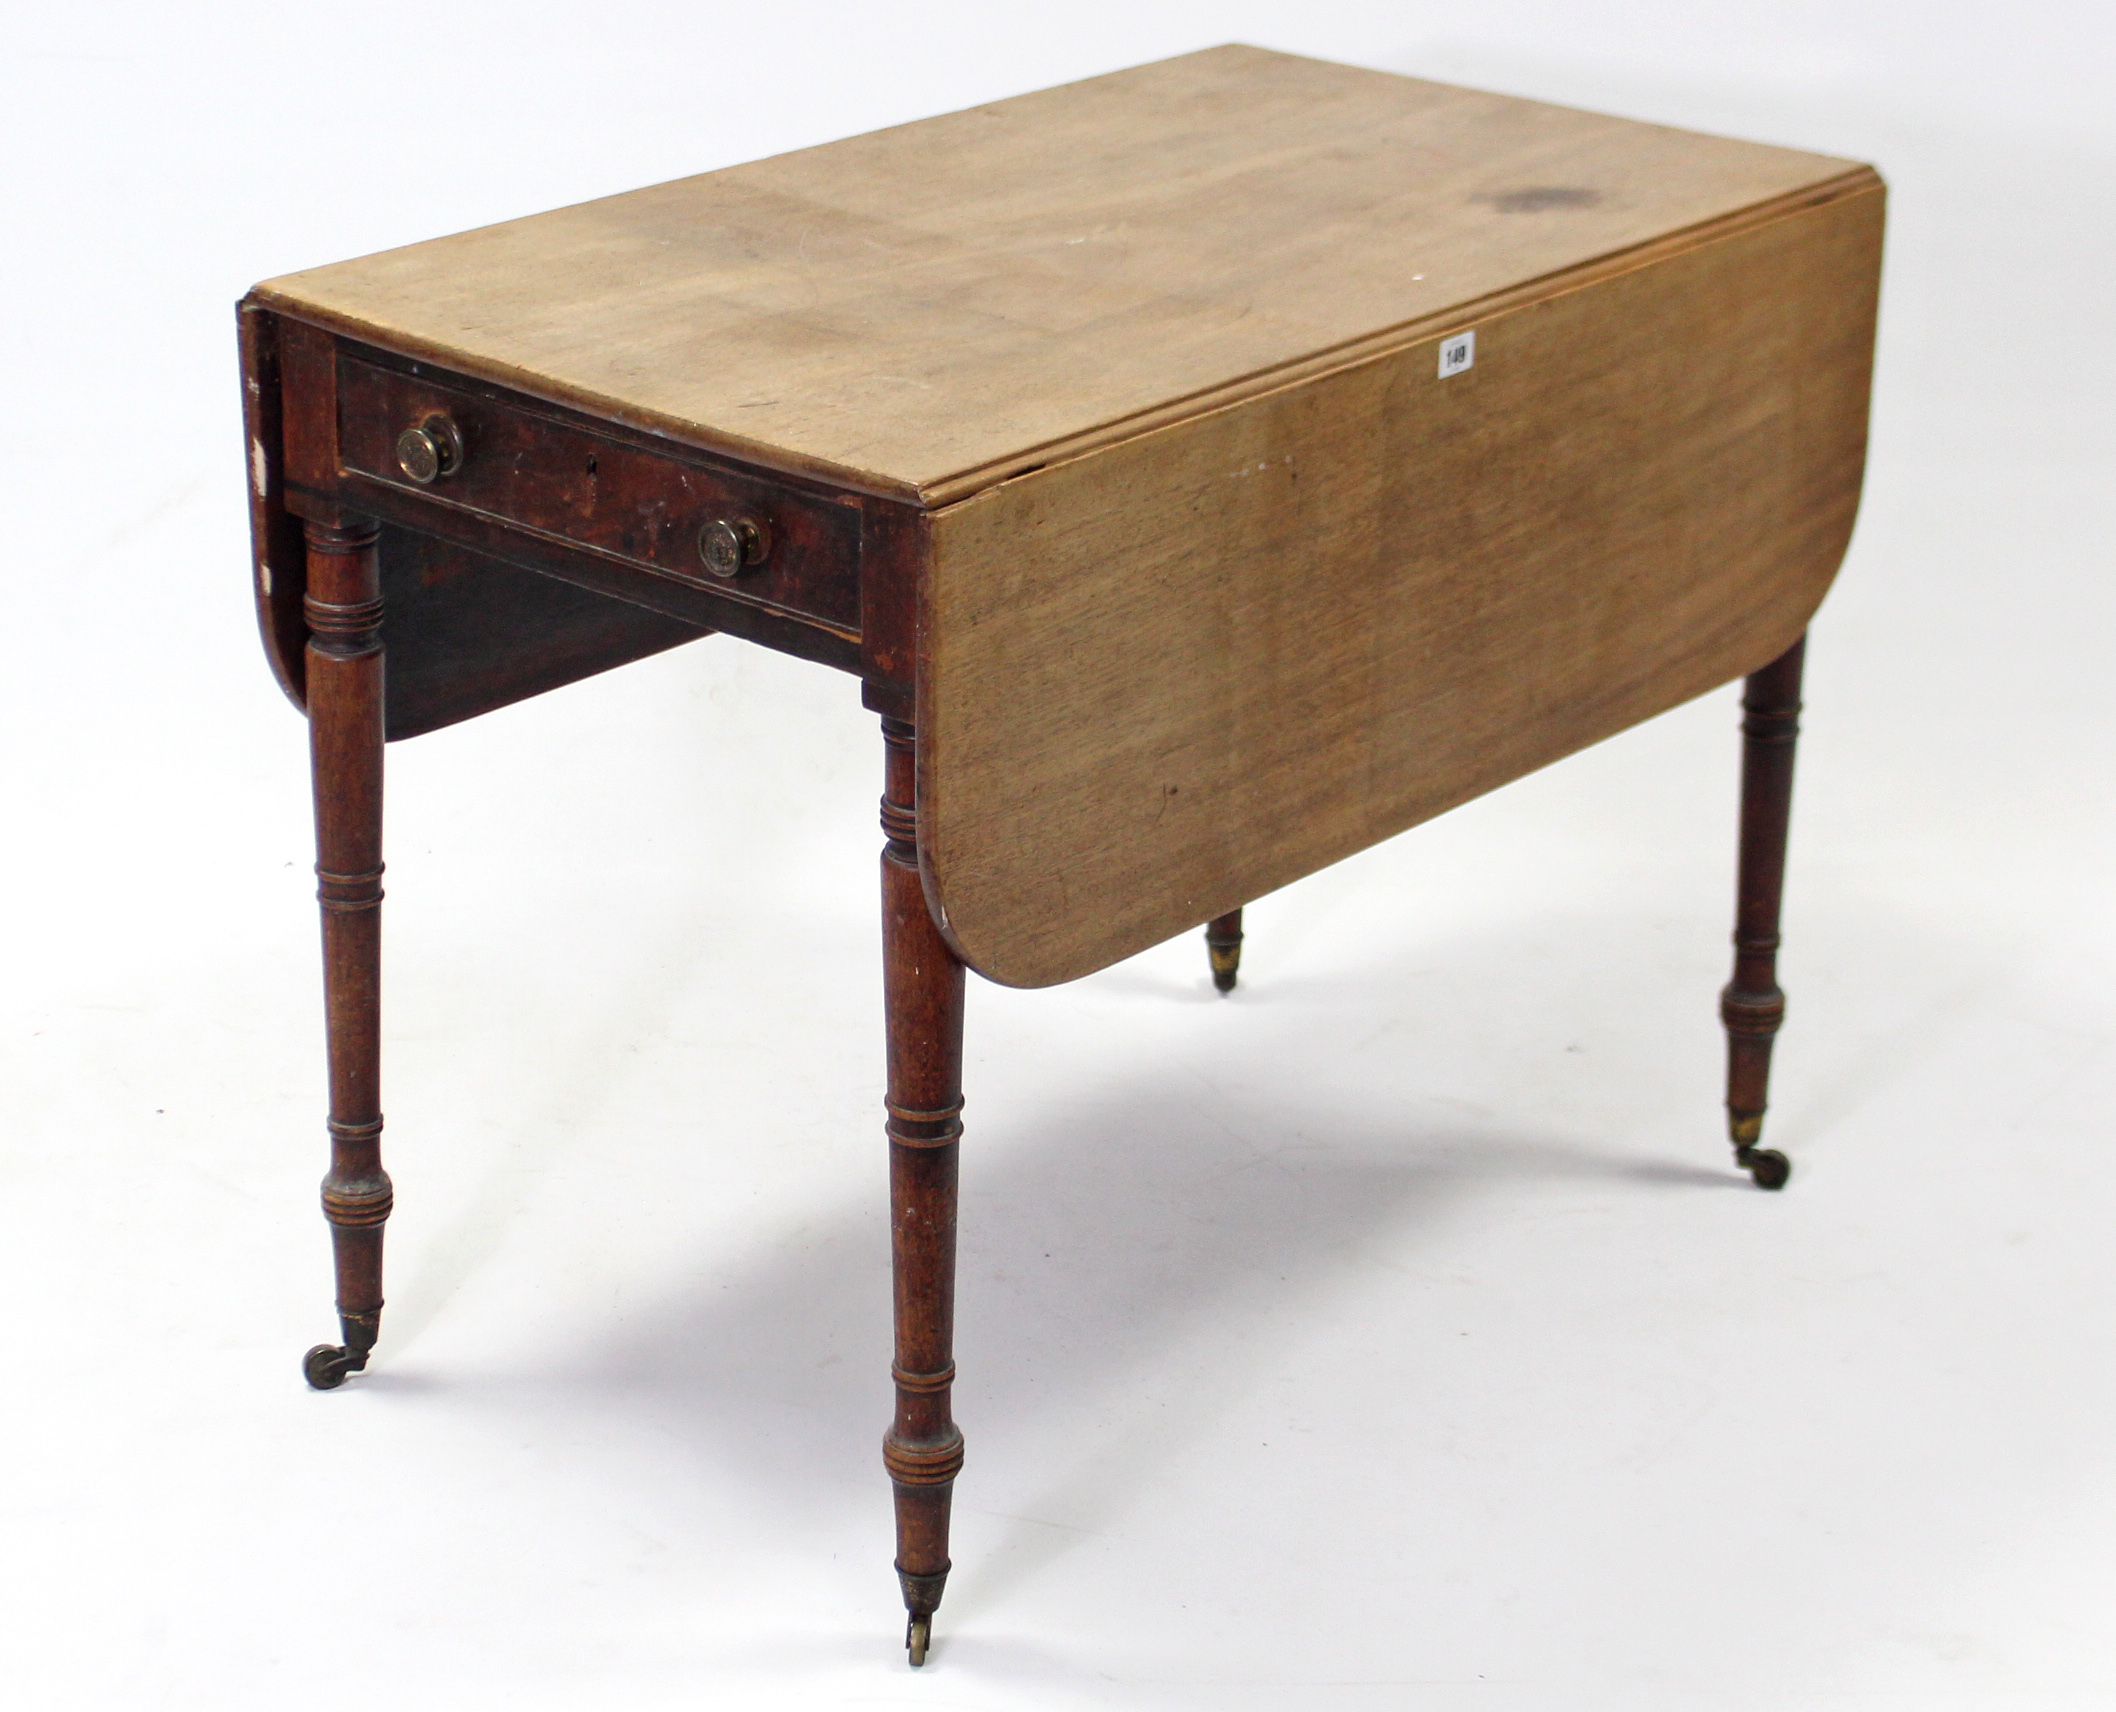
(430,451)
(731,545)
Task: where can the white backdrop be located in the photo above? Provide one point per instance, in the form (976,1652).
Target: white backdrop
(1395,1334)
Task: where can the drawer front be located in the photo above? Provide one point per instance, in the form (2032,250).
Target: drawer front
(509,461)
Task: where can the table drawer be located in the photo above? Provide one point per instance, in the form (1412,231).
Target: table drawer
(509,460)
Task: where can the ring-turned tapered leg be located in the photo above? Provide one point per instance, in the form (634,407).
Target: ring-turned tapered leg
(1752,1007)
(923,990)
(344,660)
(1223,944)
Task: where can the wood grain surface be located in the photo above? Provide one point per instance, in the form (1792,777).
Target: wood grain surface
(923,311)
(1164,678)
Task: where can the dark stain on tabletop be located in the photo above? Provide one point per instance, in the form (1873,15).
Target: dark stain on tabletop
(1539,198)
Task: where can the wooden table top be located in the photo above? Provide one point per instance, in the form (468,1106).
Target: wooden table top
(1231,462)
(922,311)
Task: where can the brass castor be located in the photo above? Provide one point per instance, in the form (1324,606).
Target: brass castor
(1767,1165)
(918,1633)
(1223,944)
(326,1366)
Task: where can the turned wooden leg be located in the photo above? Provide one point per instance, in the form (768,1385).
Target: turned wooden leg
(344,611)
(1752,1007)
(1223,944)
(923,989)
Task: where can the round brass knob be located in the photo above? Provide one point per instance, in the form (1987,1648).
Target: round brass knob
(430,451)
(731,545)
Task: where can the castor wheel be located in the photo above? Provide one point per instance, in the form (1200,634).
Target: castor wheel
(326,1366)
(917,1634)
(1223,945)
(1767,1165)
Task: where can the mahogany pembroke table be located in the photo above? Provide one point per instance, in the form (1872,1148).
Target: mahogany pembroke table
(1207,471)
